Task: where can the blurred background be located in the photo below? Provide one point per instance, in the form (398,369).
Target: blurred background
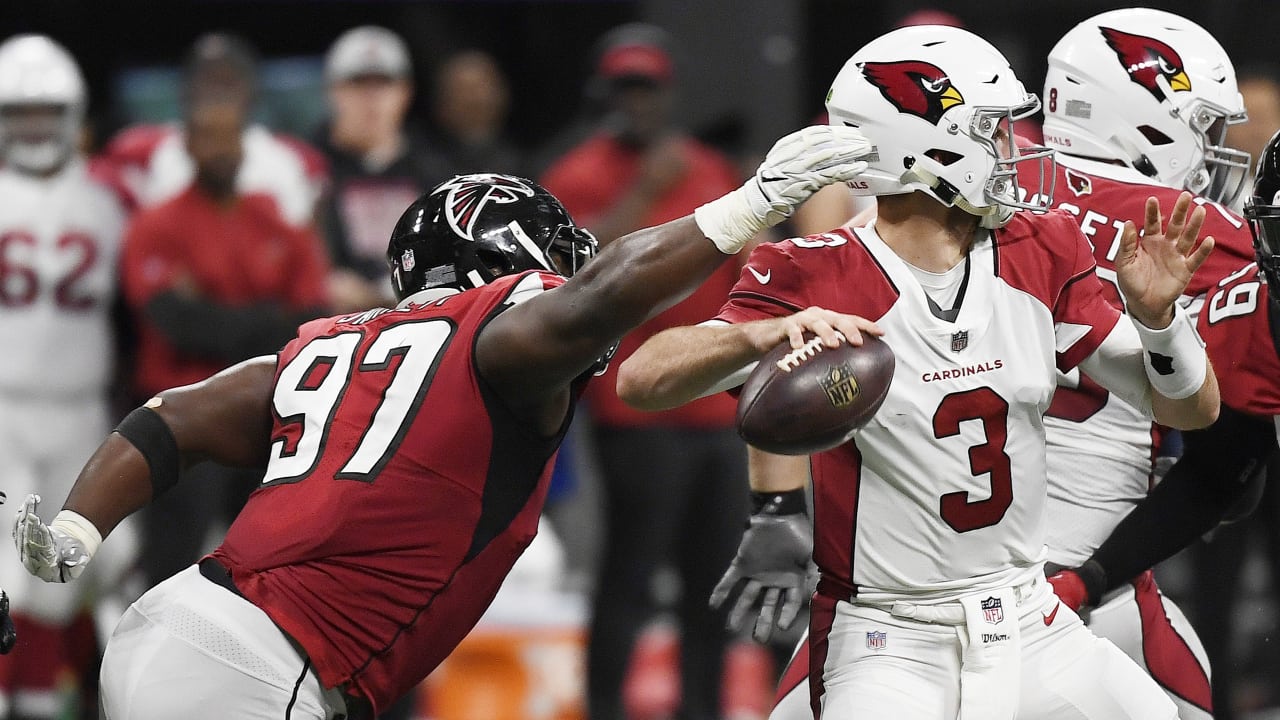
(528,87)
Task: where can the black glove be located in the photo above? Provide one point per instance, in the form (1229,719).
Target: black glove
(774,556)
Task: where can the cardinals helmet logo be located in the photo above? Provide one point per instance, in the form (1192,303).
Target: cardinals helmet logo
(468,196)
(1146,59)
(914,87)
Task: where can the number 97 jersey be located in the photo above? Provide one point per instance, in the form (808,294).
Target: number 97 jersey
(1234,325)
(399,490)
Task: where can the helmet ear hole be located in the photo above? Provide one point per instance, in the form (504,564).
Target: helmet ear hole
(943,157)
(1154,136)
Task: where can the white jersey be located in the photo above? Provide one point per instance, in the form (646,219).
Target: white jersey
(59,244)
(1100,447)
(943,492)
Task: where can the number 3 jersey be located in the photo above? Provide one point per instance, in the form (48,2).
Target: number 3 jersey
(942,493)
(399,490)
(59,241)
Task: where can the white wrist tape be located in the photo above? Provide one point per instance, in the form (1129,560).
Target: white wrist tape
(729,221)
(78,526)
(1174,357)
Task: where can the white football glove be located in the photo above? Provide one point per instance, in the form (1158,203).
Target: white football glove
(59,551)
(798,166)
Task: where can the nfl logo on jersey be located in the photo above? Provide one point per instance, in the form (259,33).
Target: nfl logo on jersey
(992,611)
(959,340)
(877,640)
(840,386)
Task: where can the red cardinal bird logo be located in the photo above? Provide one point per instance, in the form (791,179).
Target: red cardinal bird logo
(914,87)
(1079,184)
(470,193)
(1146,59)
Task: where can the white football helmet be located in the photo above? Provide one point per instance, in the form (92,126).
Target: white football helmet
(938,104)
(37,74)
(1152,90)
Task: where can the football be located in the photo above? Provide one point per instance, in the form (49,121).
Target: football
(806,400)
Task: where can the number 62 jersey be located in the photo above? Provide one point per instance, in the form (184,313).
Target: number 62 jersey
(942,493)
(399,490)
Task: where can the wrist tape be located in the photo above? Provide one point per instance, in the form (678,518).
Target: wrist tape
(729,221)
(78,526)
(1174,356)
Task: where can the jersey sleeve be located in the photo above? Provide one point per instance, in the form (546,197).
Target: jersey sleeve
(1235,326)
(769,285)
(1082,316)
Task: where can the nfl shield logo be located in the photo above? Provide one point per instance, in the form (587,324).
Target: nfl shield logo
(959,340)
(992,612)
(877,640)
(407,262)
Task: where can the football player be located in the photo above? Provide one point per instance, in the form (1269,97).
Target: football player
(1136,104)
(932,600)
(60,235)
(406,451)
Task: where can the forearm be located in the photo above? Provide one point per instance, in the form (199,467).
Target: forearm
(679,364)
(769,473)
(115,483)
(1210,477)
(1190,413)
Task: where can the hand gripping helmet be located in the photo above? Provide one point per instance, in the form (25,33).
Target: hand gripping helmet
(37,73)
(938,104)
(1152,90)
(474,229)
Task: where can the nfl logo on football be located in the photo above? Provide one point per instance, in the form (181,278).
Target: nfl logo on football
(992,612)
(877,640)
(959,340)
(839,385)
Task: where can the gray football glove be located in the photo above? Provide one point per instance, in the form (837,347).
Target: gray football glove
(773,566)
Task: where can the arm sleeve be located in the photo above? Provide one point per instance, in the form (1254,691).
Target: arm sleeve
(229,334)
(1083,317)
(1213,473)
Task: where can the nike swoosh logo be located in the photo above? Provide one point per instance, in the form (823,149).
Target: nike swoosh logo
(762,279)
(1048,619)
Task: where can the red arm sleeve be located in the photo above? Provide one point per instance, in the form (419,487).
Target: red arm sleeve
(770,284)
(1081,313)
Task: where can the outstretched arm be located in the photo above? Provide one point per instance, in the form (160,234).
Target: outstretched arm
(532,351)
(226,418)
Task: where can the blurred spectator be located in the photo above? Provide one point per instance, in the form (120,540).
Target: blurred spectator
(1260,86)
(149,163)
(470,113)
(59,242)
(674,482)
(213,276)
(378,166)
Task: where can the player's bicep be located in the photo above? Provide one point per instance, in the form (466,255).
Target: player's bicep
(226,418)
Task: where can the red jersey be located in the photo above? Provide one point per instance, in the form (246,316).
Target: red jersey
(1234,323)
(399,491)
(589,180)
(237,255)
(1102,197)
(923,502)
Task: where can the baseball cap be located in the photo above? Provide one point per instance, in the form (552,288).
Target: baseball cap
(367,50)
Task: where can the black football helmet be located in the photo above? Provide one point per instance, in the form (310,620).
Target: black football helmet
(1262,210)
(474,229)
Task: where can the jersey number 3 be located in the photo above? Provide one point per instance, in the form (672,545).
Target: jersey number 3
(310,390)
(986,458)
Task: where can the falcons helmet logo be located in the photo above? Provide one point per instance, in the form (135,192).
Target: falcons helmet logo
(1146,59)
(914,87)
(467,196)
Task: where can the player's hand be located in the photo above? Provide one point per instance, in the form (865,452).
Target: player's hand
(8,634)
(1153,270)
(773,569)
(831,327)
(49,553)
(802,163)
(1069,588)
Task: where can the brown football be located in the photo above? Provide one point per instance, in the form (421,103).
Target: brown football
(799,402)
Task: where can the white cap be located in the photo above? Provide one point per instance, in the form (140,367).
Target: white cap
(367,50)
